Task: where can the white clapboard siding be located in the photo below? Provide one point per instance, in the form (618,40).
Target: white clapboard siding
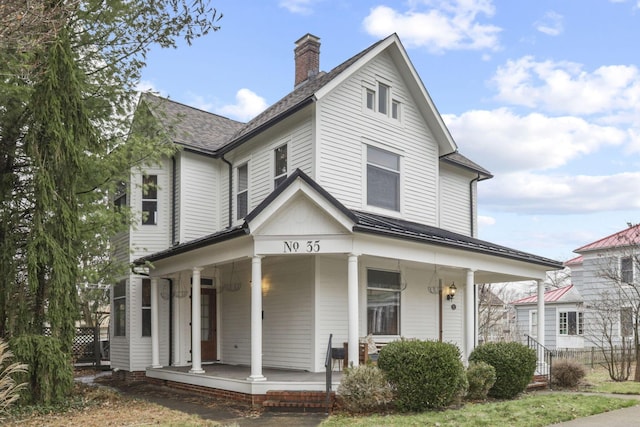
(344,128)
(200,192)
(455,203)
(419,310)
(453,320)
(146,239)
(176,197)
(235,304)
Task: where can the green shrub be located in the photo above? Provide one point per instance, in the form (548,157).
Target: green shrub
(424,374)
(514,363)
(481,377)
(50,375)
(567,373)
(364,389)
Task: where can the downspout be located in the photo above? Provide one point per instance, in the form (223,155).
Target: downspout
(230,190)
(471,211)
(170,321)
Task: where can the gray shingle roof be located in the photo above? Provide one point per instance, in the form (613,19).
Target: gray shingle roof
(192,128)
(460,160)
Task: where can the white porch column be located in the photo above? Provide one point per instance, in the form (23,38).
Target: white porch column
(196,352)
(540,312)
(155,339)
(256,320)
(469,313)
(352,297)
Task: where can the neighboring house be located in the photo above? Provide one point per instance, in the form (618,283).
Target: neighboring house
(344,209)
(563,318)
(606,274)
(495,318)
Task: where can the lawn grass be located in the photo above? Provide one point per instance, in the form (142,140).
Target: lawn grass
(598,381)
(537,409)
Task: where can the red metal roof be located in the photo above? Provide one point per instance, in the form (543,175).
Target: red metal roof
(549,296)
(627,237)
(574,261)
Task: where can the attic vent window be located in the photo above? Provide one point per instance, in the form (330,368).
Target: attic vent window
(380,100)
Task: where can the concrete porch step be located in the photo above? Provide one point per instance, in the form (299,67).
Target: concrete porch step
(297,401)
(538,382)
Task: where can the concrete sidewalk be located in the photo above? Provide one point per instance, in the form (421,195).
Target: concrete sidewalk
(626,417)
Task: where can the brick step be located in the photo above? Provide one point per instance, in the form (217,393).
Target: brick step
(297,401)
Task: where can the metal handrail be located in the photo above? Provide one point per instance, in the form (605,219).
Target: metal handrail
(544,355)
(329,371)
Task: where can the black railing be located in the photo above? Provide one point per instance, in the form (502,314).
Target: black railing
(329,370)
(544,357)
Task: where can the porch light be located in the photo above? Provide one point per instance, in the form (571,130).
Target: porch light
(451,292)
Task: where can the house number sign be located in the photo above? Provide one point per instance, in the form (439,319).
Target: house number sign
(296,246)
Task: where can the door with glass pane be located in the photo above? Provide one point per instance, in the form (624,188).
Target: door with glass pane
(208,324)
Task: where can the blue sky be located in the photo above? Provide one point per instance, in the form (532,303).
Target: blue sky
(544,94)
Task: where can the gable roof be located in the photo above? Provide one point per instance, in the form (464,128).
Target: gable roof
(553,295)
(366,223)
(216,135)
(458,159)
(628,237)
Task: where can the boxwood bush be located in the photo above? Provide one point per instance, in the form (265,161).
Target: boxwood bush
(514,363)
(364,389)
(481,377)
(424,374)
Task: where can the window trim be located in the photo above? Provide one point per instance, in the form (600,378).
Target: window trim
(145,329)
(373,207)
(278,178)
(627,273)
(397,292)
(579,326)
(389,106)
(533,329)
(150,201)
(240,192)
(120,316)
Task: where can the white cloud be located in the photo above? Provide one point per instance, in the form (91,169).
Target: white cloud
(198,101)
(148,86)
(503,141)
(437,25)
(564,87)
(300,7)
(530,193)
(484,220)
(551,24)
(248,105)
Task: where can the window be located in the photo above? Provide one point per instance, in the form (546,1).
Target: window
(626,270)
(150,200)
(383,302)
(120,199)
(395,109)
(383,179)
(533,323)
(371,97)
(383,98)
(626,322)
(242,191)
(280,165)
(146,307)
(119,309)
(570,323)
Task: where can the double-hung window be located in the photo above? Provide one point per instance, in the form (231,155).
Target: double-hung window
(242,191)
(570,323)
(533,323)
(149,199)
(626,270)
(146,307)
(383,179)
(626,322)
(383,302)
(280,165)
(119,309)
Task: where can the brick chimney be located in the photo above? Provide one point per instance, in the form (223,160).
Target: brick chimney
(307,57)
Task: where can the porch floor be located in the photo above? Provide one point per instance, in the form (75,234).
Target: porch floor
(234,378)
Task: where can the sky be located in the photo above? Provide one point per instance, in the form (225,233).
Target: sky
(544,94)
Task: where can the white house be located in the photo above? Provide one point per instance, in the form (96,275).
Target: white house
(606,274)
(344,209)
(563,318)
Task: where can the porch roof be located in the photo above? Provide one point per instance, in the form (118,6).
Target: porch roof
(364,222)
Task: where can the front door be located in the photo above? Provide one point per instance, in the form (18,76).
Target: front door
(208,330)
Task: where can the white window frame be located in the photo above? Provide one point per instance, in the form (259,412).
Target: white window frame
(579,323)
(533,327)
(152,217)
(145,320)
(388,106)
(366,163)
(120,316)
(279,177)
(398,295)
(242,191)
(627,275)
